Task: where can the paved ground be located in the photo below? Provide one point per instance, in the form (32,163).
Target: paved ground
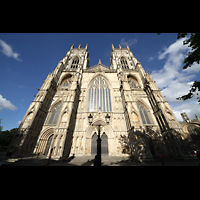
(87,161)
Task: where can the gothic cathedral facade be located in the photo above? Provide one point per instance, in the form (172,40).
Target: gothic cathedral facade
(57,120)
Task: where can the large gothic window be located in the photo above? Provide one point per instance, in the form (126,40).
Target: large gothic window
(143,114)
(75,62)
(99,96)
(55,114)
(124,63)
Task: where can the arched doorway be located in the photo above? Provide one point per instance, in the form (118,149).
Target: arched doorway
(94,144)
(104,144)
(48,145)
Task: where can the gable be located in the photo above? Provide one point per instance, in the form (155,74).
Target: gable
(98,68)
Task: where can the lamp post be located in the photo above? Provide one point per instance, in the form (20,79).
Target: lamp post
(107,117)
(99,147)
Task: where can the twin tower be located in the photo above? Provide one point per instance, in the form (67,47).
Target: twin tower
(75,98)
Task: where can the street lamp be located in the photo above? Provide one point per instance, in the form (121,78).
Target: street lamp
(90,119)
(107,117)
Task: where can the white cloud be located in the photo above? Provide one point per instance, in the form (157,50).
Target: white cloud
(19,122)
(130,42)
(150,59)
(7,50)
(175,89)
(174,49)
(176,81)
(195,68)
(190,109)
(5,104)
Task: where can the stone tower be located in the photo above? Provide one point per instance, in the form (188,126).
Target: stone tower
(57,120)
(28,139)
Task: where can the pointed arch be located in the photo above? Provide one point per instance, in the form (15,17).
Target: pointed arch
(43,140)
(65,78)
(75,62)
(54,113)
(99,95)
(94,144)
(144,113)
(133,81)
(99,74)
(124,63)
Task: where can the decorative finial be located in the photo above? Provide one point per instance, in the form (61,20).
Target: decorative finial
(127,47)
(113,47)
(120,46)
(72,46)
(99,62)
(79,46)
(86,47)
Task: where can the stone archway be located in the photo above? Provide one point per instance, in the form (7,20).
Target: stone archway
(43,140)
(48,145)
(108,138)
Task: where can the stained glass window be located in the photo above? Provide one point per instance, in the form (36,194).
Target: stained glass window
(143,114)
(99,96)
(55,114)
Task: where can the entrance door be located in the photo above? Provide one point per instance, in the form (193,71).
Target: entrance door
(48,145)
(104,144)
(94,144)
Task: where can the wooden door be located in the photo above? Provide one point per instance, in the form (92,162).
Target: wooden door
(104,144)
(48,145)
(94,144)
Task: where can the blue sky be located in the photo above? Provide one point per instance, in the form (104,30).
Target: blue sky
(27,58)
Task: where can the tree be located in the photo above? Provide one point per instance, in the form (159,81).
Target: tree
(191,57)
(1,127)
(5,138)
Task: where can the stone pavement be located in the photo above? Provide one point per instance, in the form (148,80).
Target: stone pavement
(121,161)
(87,161)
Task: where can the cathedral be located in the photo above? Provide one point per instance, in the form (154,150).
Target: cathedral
(75,99)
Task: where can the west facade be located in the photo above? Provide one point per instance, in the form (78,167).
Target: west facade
(57,120)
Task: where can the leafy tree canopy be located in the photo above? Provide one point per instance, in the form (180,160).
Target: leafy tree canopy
(5,138)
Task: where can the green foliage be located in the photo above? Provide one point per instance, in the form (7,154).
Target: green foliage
(5,138)
(194,88)
(194,42)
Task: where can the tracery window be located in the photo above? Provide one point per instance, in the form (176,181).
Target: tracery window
(99,96)
(131,82)
(143,114)
(55,114)
(75,62)
(67,82)
(124,63)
